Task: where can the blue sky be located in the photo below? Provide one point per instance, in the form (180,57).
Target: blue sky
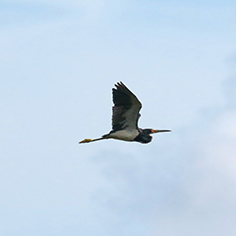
(59,61)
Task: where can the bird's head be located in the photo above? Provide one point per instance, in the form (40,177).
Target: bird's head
(144,135)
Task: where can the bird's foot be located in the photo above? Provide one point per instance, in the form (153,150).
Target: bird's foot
(87,140)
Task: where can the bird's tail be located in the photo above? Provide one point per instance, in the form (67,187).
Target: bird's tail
(88,140)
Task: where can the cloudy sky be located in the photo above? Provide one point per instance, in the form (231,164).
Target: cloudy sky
(59,60)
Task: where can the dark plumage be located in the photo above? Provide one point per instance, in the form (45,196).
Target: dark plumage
(125,115)
(126,108)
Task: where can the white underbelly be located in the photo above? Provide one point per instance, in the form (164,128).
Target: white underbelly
(127,135)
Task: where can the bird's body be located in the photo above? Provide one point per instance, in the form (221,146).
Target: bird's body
(124,134)
(125,118)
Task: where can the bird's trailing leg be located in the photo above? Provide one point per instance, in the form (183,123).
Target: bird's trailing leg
(88,140)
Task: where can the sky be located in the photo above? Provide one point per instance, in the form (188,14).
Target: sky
(59,61)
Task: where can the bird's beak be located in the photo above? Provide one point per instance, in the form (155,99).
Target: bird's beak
(160,130)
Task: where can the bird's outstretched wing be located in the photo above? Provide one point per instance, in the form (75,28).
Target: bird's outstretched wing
(126,108)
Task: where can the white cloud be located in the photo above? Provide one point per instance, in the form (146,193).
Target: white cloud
(186,190)
(57,83)
(209,186)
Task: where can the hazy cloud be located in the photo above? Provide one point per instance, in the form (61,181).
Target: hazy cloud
(56,79)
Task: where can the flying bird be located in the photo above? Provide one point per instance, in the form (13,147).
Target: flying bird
(125,116)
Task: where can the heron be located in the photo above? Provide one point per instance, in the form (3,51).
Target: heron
(125,116)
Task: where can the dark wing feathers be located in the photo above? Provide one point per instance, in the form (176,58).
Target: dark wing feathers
(126,108)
